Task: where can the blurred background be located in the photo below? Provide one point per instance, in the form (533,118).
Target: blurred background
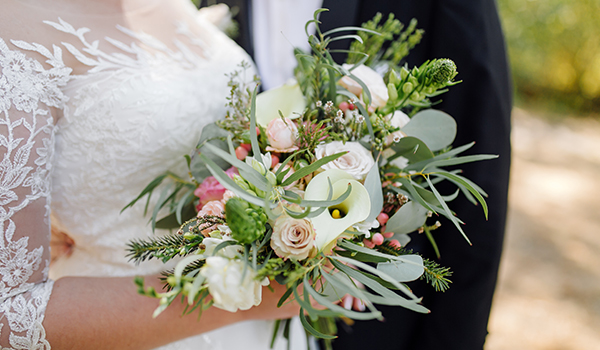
(548,294)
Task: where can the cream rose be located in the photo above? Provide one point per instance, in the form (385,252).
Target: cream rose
(293,238)
(282,135)
(229,291)
(357,162)
(373,81)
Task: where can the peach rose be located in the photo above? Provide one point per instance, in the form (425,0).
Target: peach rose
(212,208)
(293,238)
(282,135)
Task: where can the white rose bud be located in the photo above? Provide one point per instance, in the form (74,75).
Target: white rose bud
(293,238)
(225,284)
(373,81)
(357,162)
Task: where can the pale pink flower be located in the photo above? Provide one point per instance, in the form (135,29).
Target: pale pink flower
(282,135)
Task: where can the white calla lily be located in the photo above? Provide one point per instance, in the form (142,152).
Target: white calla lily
(354,209)
(287,98)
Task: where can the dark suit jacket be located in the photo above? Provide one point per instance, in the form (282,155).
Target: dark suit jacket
(468,32)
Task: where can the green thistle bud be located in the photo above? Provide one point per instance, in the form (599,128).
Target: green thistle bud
(407,88)
(393,94)
(442,71)
(246,224)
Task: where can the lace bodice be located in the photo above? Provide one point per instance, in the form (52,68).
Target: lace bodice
(98,119)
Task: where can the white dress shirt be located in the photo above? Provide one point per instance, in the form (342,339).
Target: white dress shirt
(278,27)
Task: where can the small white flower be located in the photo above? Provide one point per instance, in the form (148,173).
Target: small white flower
(365,227)
(397,120)
(229,291)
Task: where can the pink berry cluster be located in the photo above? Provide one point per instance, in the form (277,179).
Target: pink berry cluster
(379,238)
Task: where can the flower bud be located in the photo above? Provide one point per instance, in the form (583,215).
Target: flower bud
(407,88)
(271,178)
(442,71)
(392,91)
(240,181)
(404,73)
(393,78)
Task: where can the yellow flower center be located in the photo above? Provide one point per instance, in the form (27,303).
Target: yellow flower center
(337,213)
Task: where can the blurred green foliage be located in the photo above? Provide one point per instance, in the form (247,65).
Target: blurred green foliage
(554,48)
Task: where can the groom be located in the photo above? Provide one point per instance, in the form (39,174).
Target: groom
(468,32)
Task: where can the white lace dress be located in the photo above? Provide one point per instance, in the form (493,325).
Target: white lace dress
(91,142)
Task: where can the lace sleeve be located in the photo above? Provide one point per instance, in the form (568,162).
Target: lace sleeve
(28,92)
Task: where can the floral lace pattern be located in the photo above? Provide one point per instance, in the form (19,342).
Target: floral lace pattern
(27,91)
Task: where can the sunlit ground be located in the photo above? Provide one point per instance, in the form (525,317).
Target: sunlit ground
(548,295)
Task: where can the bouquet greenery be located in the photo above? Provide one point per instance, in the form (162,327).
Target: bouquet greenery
(316,185)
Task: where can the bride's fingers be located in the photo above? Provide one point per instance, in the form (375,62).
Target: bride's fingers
(349,302)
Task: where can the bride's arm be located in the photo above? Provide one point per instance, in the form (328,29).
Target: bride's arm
(73,312)
(108,313)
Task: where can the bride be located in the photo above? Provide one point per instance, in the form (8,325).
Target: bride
(96,99)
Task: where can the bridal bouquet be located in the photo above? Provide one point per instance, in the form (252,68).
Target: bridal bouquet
(316,185)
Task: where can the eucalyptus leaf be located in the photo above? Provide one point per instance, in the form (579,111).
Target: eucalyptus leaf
(436,128)
(407,219)
(229,184)
(447,155)
(216,136)
(449,214)
(246,171)
(412,149)
(373,186)
(336,308)
(409,269)
(461,181)
(460,160)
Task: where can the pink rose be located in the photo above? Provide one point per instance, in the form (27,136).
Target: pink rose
(282,135)
(211,190)
(293,238)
